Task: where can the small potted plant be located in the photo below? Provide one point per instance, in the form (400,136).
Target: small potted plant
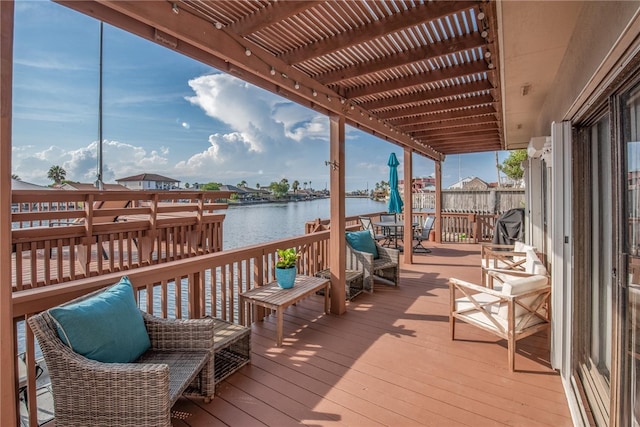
(286,267)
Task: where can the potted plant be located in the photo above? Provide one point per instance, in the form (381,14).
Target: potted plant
(286,267)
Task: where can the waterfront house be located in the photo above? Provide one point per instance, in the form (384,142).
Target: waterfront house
(148,181)
(434,78)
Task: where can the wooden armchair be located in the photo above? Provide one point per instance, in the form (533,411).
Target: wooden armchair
(503,257)
(516,311)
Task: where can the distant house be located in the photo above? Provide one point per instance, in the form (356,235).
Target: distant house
(470,183)
(149,181)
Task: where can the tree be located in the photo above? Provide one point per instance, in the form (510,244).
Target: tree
(279,189)
(242,183)
(258,185)
(210,186)
(512,165)
(16,177)
(295,186)
(186,185)
(57,174)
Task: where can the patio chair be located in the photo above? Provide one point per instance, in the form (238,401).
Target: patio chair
(503,257)
(516,311)
(365,221)
(376,261)
(94,383)
(424,235)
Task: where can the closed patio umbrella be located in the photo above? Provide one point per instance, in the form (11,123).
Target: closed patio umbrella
(395,202)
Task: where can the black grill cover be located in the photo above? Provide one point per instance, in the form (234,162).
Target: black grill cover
(509,227)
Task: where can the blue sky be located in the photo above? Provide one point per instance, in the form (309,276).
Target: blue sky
(168,114)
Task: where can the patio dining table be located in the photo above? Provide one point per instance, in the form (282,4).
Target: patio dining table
(398,227)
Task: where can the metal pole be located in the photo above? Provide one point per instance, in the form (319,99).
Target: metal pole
(99,182)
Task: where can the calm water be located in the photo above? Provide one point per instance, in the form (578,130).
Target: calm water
(249,225)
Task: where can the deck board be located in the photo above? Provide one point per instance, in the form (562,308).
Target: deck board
(388,360)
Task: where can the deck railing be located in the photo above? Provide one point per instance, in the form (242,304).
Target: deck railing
(59,236)
(208,284)
(456,227)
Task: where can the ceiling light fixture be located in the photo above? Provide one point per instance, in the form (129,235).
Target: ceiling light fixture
(272,71)
(314,93)
(218,25)
(487,54)
(491,65)
(174,8)
(247,52)
(484,34)
(481,16)
(296,85)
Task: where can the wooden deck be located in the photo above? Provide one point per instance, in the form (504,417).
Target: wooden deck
(388,361)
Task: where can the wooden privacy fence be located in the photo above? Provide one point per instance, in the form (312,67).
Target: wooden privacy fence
(495,200)
(456,227)
(59,236)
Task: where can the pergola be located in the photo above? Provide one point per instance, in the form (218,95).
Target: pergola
(428,76)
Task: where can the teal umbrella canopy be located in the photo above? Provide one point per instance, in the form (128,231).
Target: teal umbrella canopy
(395,202)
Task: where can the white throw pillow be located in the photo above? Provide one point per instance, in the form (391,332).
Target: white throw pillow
(520,286)
(533,265)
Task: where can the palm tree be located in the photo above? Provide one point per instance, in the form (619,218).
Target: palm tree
(242,183)
(295,186)
(305,185)
(258,185)
(57,174)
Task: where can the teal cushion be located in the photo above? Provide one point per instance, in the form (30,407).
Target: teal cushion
(107,327)
(362,241)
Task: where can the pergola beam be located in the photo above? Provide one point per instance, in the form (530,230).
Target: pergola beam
(432,52)
(427,11)
(443,115)
(274,12)
(467,70)
(436,107)
(462,121)
(421,96)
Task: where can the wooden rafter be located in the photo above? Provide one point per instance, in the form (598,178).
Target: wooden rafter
(451,124)
(444,115)
(471,101)
(411,17)
(420,96)
(462,130)
(274,12)
(441,74)
(432,52)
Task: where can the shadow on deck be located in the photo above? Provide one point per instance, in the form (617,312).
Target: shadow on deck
(388,361)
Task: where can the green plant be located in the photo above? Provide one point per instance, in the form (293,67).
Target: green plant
(287,258)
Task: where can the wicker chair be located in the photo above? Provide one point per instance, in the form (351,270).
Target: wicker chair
(91,393)
(386,266)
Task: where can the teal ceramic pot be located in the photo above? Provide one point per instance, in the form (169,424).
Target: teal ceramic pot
(286,277)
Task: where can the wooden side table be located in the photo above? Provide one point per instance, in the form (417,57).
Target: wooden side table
(274,297)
